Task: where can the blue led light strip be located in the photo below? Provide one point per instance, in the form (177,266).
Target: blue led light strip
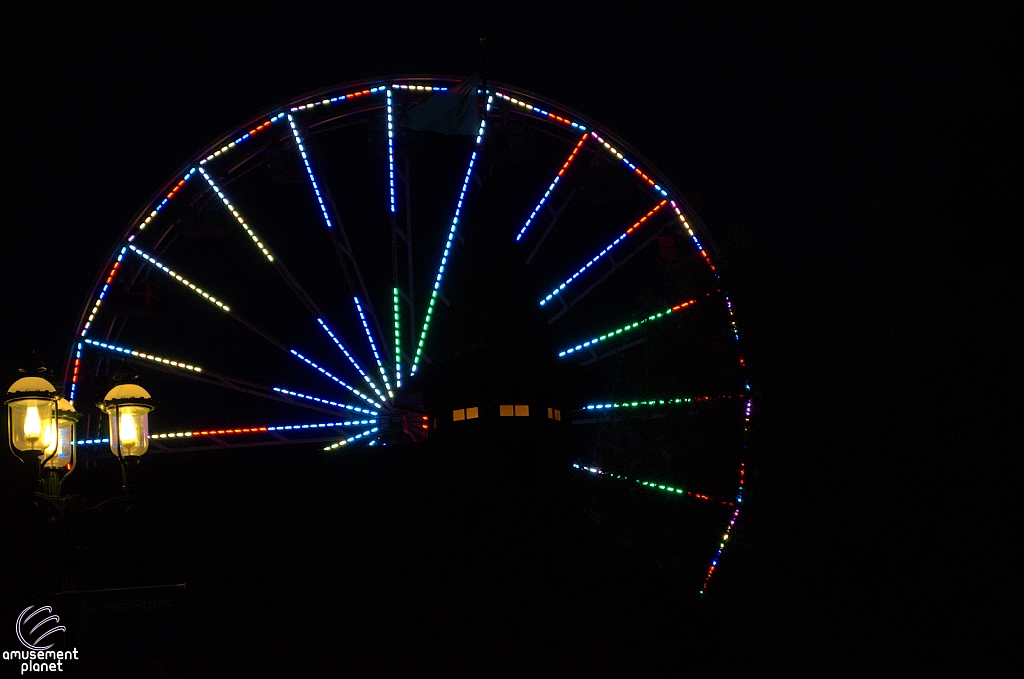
(237,216)
(141,354)
(230,145)
(448,245)
(601,254)
(551,187)
(338,380)
(103,291)
(626,328)
(373,347)
(391,152)
(324,400)
(160,206)
(309,171)
(350,358)
(349,440)
(178,277)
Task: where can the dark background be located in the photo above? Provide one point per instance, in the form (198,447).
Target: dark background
(860,171)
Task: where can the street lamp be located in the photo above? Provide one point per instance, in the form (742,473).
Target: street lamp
(32,415)
(127,406)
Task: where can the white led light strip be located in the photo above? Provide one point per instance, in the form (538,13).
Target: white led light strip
(178,277)
(141,354)
(237,216)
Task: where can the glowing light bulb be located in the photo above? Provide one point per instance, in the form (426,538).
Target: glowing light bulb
(33,427)
(127,432)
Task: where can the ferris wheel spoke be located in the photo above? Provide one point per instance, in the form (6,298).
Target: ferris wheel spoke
(278,265)
(336,230)
(325,401)
(607,249)
(555,214)
(616,265)
(373,348)
(352,360)
(551,187)
(350,439)
(595,357)
(195,373)
(391,148)
(210,298)
(337,379)
(261,429)
(614,406)
(250,325)
(668,489)
(625,330)
(395,234)
(157,360)
(279,433)
(451,236)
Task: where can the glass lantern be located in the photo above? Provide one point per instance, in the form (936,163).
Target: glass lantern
(32,417)
(65,449)
(127,407)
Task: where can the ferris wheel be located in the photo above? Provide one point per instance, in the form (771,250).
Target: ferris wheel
(396,260)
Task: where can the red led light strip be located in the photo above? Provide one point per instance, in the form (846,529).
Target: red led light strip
(646,217)
(572,155)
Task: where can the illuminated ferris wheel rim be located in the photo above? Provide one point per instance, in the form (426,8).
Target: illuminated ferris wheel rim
(278,113)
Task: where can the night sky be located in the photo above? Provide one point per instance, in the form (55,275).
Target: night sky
(860,172)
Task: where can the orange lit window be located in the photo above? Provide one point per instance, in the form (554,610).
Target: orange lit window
(472,413)
(522,411)
(558,415)
(506,411)
(459,414)
(551,414)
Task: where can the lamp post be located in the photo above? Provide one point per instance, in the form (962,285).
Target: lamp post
(41,434)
